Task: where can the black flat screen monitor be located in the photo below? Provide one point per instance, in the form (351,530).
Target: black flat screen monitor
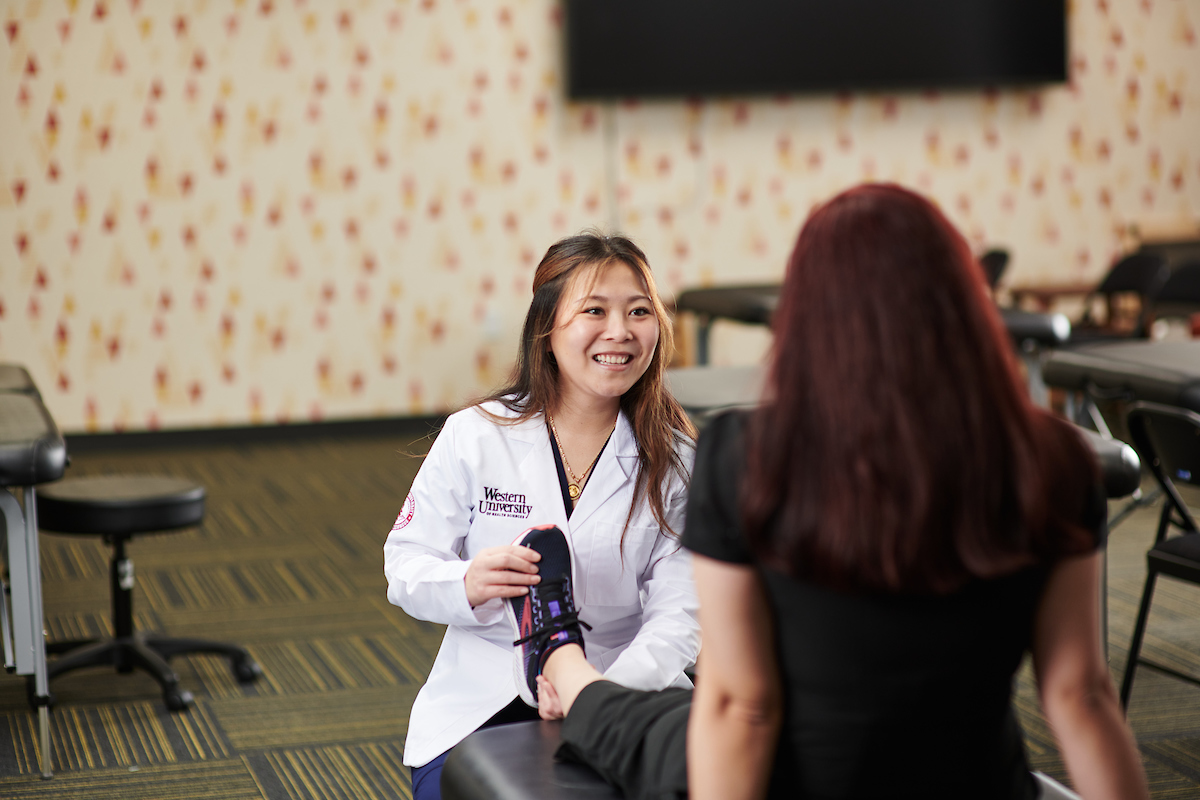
(680,48)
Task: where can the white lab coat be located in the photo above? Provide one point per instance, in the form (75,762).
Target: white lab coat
(481,485)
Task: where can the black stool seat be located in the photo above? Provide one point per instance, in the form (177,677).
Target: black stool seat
(119,507)
(120,504)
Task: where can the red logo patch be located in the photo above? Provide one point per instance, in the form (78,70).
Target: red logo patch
(406,513)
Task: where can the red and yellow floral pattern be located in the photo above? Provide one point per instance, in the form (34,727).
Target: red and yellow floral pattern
(227,212)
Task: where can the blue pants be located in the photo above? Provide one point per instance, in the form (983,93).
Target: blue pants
(427,779)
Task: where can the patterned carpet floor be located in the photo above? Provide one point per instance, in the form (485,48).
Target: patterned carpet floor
(288,563)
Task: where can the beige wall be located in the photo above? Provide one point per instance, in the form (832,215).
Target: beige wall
(216,212)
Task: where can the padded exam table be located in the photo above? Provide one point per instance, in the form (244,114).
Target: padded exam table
(1158,372)
(32,451)
(706,391)
(1032,333)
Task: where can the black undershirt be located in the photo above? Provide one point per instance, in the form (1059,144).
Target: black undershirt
(562,479)
(563,483)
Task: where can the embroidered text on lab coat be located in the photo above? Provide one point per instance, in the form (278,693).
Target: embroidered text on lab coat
(503,504)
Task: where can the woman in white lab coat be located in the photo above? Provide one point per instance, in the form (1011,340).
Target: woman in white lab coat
(586,437)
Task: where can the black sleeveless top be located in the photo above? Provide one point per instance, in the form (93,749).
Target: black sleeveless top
(885,695)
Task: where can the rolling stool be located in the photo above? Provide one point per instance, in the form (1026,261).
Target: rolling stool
(119,507)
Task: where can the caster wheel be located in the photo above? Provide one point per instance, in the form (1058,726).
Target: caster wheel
(246,670)
(178,699)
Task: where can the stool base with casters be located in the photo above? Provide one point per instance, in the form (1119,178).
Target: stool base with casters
(118,508)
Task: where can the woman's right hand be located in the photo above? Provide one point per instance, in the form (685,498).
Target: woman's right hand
(505,571)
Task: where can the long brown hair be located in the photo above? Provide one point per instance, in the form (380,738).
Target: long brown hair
(898,449)
(656,417)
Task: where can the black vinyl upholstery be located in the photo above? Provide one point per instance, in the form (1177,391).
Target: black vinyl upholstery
(120,504)
(752,304)
(516,762)
(32,451)
(1158,372)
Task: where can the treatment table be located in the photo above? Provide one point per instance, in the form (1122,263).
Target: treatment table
(1032,333)
(1125,372)
(1159,372)
(706,391)
(32,451)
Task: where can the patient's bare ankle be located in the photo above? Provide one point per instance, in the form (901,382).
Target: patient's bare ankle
(569,656)
(568,671)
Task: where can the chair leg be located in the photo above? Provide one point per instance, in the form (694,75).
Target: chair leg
(144,657)
(1135,646)
(245,669)
(101,653)
(67,645)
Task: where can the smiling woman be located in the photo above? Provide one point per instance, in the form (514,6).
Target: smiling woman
(585,437)
(605,335)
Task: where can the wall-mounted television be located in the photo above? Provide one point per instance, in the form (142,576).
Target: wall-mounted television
(681,48)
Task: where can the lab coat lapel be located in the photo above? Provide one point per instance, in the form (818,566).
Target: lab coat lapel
(616,468)
(538,475)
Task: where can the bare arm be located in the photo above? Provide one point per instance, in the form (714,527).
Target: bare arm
(1076,690)
(736,713)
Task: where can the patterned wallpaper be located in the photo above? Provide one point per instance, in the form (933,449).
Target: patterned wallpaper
(223,212)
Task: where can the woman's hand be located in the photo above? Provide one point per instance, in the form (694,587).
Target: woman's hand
(549,706)
(505,571)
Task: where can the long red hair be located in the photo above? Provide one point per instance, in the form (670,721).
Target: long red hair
(898,449)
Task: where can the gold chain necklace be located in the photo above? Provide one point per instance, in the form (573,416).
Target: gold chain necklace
(576,483)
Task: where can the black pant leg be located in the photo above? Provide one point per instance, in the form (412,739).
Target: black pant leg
(636,740)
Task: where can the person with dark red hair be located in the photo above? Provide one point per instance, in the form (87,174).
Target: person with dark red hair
(876,548)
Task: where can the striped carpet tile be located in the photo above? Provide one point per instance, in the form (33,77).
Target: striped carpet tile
(1165,783)
(310,720)
(371,771)
(83,624)
(116,735)
(254,582)
(253,624)
(73,558)
(352,662)
(223,780)
(1182,755)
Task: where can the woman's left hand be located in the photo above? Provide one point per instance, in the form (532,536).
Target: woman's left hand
(549,706)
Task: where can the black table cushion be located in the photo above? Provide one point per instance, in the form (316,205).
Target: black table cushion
(32,451)
(516,762)
(120,504)
(749,303)
(1159,372)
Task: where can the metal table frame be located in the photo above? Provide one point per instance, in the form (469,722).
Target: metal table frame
(34,452)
